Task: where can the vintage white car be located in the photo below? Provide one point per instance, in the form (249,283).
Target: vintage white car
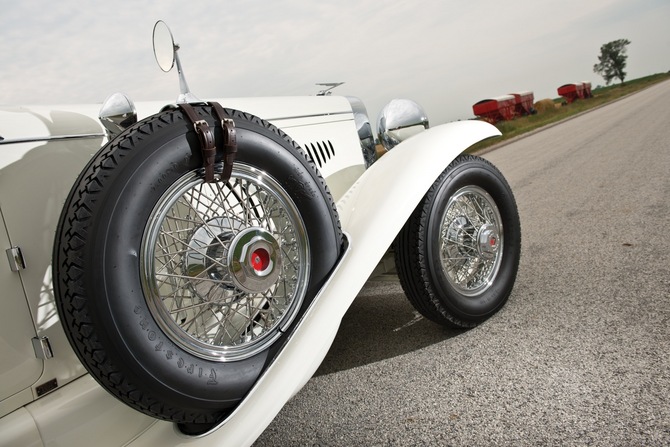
(175,280)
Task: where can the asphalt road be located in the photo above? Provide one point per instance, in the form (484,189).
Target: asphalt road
(580,355)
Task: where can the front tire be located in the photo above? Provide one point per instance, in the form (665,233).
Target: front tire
(458,254)
(176,293)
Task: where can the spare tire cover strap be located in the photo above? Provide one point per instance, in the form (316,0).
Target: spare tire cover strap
(206,141)
(229,140)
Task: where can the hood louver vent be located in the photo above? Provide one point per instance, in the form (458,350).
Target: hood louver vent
(320,153)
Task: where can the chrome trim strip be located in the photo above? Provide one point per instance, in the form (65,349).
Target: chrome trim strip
(51,138)
(308,116)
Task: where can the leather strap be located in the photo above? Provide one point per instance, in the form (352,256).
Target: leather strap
(229,140)
(206,140)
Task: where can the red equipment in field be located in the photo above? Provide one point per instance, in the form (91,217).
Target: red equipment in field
(523,103)
(578,90)
(495,109)
(587,90)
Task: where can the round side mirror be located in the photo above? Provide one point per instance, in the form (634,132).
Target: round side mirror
(399,120)
(164,49)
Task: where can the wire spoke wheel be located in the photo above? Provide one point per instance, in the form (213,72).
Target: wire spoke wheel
(225,265)
(471,241)
(458,254)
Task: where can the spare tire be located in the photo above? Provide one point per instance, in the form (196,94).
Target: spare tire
(176,293)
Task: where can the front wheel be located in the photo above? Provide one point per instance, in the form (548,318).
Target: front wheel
(458,254)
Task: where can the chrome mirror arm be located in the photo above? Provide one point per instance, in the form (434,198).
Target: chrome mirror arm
(185,95)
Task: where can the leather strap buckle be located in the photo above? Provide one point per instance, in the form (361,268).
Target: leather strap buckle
(208,143)
(229,140)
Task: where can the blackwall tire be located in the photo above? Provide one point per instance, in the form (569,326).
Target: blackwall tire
(174,293)
(458,254)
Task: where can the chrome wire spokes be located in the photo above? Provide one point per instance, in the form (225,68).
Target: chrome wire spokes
(225,265)
(471,240)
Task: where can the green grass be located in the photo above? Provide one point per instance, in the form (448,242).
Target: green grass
(602,95)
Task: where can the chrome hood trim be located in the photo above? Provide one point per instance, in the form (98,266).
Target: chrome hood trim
(50,138)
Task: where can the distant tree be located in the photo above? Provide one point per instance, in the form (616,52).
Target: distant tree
(612,60)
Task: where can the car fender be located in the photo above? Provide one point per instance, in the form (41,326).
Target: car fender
(372,212)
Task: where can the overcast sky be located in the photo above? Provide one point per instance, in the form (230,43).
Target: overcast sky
(444,54)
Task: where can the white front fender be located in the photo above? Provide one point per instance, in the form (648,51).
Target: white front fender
(372,213)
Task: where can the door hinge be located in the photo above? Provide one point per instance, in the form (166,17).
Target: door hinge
(42,348)
(15,258)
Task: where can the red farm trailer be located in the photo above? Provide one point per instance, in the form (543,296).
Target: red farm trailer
(578,90)
(523,103)
(495,109)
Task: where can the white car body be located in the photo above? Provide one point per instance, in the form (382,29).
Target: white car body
(46,396)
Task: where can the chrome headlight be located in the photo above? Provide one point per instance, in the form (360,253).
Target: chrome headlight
(117,113)
(399,120)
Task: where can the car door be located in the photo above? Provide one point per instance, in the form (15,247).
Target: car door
(42,151)
(20,368)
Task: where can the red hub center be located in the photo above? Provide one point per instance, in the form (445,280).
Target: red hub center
(260,259)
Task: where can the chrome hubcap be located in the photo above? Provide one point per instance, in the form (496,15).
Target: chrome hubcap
(488,241)
(471,241)
(254,260)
